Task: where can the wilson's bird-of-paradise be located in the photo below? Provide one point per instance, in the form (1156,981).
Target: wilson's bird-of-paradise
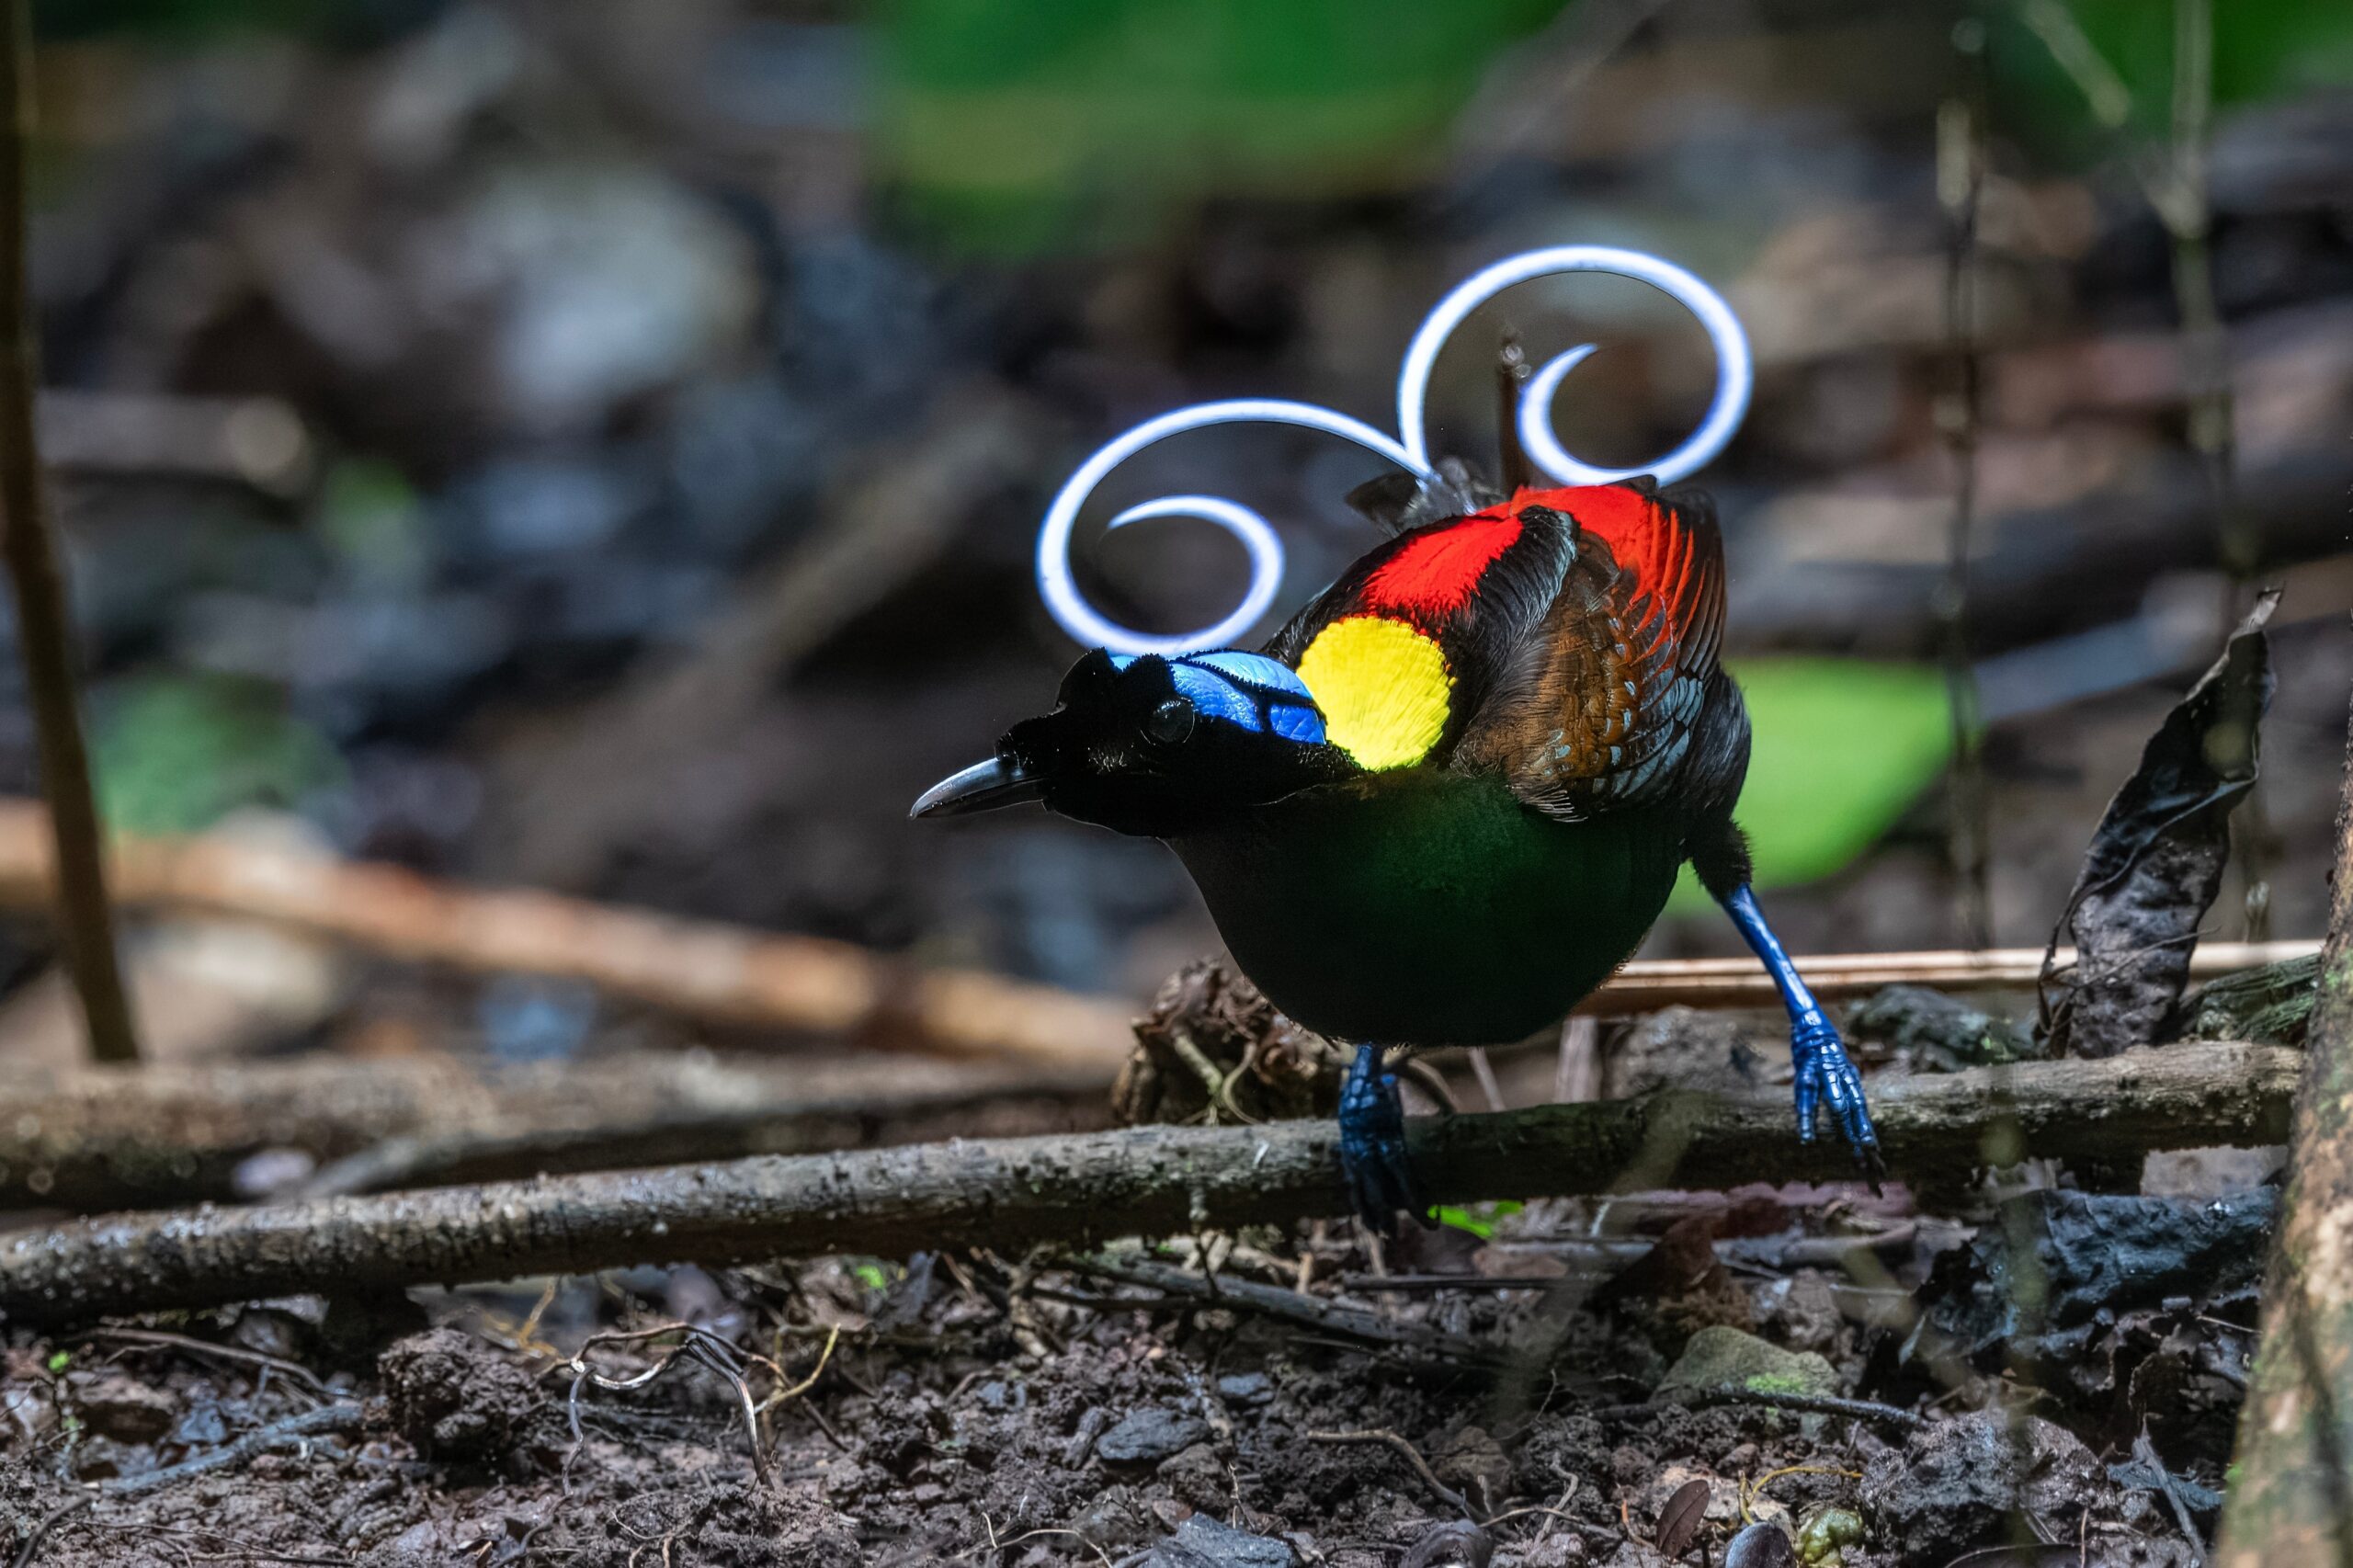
(1452,795)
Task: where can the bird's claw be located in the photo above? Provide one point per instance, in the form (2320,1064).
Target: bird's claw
(1825,1073)
(1372,1146)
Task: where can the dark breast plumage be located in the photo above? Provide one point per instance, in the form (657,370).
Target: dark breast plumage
(1533,693)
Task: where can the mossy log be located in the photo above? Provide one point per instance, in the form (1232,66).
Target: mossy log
(1148,1181)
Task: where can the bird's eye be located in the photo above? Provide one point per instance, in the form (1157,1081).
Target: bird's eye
(1171,721)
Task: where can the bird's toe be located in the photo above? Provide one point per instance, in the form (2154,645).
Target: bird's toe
(1827,1075)
(1380,1178)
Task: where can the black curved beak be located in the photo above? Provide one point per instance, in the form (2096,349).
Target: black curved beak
(984,787)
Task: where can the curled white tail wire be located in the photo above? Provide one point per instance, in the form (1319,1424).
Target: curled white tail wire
(1734,376)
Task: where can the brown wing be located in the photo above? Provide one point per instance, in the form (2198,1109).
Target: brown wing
(1599,711)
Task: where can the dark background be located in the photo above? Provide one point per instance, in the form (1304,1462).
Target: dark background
(601,443)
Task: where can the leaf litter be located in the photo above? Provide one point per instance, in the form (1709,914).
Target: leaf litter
(1814,1375)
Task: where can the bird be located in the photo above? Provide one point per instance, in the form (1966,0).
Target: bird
(1452,795)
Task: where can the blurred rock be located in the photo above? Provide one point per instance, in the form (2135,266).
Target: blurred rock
(609,281)
(1725,1358)
(1684,1048)
(1202,1542)
(1957,1485)
(1149,1435)
(1943,1030)
(2112,1277)
(120,1406)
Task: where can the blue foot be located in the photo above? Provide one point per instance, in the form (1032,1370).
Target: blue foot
(1372,1146)
(1824,1072)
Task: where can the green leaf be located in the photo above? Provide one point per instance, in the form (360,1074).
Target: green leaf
(176,754)
(60,1359)
(1480,1219)
(870,1275)
(1841,749)
(373,518)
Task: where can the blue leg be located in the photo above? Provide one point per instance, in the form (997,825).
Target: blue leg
(1824,1071)
(1372,1146)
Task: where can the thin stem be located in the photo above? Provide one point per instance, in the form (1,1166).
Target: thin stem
(37,577)
(1960,180)
(2206,364)
(1513,472)
(2177,188)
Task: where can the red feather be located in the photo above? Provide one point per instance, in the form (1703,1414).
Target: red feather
(1436,573)
(1653,545)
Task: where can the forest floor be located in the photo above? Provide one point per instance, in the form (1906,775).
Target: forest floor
(1556,1384)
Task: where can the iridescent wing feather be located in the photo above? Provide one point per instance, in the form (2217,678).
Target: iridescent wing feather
(1600,707)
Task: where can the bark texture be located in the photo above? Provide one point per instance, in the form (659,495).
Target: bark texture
(92,1140)
(2292,1500)
(1007,1193)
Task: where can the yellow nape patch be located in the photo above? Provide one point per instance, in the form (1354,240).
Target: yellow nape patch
(1384,686)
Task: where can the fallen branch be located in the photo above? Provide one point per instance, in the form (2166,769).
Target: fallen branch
(91,1139)
(1140,1181)
(724,974)
(2293,1499)
(733,975)
(338,1419)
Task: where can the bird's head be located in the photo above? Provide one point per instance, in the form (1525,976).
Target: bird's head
(1155,746)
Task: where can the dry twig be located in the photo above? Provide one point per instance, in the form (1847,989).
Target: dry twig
(48,1522)
(1645,985)
(1181,1286)
(728,974)
(1804,1403)
(1412,1455)
(1140,1181)
(1961,184)
(329,1418)
(293,1372)
(37,577)
(722,1357)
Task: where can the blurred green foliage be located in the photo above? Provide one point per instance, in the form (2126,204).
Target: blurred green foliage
(177,753)
(373,518)
(1479,1219)
(1013,124)
(1842,749)
(2263,49)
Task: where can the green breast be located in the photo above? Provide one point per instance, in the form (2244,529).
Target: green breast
(1430,908)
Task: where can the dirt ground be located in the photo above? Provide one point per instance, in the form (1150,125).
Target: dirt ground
(1551,1383)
